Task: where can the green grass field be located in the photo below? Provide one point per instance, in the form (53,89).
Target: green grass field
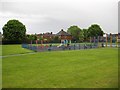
(94,68)
(13,49)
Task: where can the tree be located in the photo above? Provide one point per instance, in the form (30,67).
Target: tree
(81,36)
(35,36)
(75,32)
(40,37)
(14,30)
(85,34)
(32,38)
(56,39)
(95,30)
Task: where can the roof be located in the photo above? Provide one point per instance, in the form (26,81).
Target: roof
(63,33)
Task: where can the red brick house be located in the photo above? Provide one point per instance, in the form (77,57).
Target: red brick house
(63,36)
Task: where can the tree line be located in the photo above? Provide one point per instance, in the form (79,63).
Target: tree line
(83,35)
(15,32)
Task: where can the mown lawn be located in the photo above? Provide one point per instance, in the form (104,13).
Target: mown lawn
(94,68)
(13,49)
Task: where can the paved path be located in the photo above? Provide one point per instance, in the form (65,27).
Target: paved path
(16,55)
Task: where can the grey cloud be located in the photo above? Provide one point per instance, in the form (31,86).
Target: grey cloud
(52,16)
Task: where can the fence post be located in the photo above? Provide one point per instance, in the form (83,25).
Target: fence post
(110,40)
(106,39)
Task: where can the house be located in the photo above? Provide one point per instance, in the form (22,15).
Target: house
(64,36)
(46,37)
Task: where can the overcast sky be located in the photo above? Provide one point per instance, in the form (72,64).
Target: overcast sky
(41,16)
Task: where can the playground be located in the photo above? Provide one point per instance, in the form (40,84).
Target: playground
(99,42)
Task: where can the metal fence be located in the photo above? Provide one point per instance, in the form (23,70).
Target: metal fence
(62,47)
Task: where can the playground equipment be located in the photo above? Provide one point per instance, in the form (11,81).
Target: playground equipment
(108,40)
(56,48)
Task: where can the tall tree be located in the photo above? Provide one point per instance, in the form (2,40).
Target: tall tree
(75,32)
(85,34)
(14,30)
(95,30)
(32,38)
(81,36)
(35,36)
